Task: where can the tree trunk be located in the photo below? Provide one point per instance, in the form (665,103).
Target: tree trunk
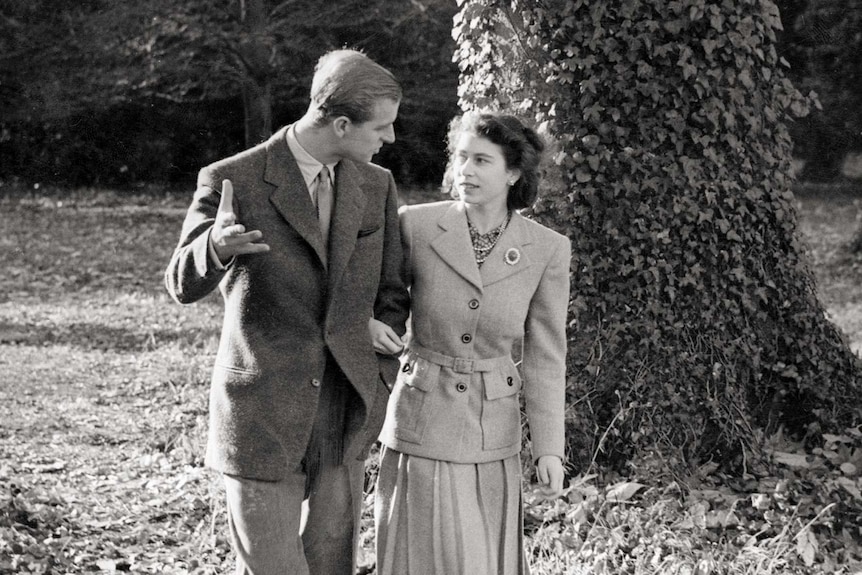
(257,105)
(256,89)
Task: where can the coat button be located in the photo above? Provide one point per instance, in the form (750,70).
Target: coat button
(315,382)
(406,368)
(474,304)
(462,387)
(466,338)
(509,381)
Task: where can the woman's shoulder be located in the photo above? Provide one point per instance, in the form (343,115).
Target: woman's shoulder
(426,209)
(543,233)
(423,215)
(421,220)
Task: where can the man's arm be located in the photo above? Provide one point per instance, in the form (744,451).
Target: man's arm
(392,305)
(210,239)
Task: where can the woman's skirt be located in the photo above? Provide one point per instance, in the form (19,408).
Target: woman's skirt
(442,518)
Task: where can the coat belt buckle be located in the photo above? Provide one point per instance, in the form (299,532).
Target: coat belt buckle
(463,365)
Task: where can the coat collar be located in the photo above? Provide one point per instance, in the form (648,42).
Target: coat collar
(454,247)
(292,200)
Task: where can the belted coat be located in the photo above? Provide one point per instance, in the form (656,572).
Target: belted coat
(286,312)
(456,397)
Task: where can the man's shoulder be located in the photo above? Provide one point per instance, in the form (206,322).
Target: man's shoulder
(243,157)
(372,172)
(238,167)
(371,167)
(275,144)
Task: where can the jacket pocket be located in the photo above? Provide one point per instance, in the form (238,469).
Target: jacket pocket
(501,411)
(412,397)
(367,231)
(232,376)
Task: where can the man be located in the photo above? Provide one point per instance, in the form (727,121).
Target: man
(300,234)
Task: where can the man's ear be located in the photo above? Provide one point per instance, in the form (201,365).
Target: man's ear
(340,125)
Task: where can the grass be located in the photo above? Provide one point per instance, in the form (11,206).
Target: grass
(830,219)
(103,384)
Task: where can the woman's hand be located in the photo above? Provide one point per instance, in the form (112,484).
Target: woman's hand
(383,338)
(549,470)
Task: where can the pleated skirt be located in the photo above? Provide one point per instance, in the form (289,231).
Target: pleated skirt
(442,518)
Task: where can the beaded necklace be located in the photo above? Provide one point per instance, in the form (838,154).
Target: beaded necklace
(484,243)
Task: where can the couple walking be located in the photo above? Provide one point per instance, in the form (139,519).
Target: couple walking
(319,271)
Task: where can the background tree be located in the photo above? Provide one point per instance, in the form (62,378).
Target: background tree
(696,329)
(115,93)
(823,43)
(257,93)
(150,91)
(56,63)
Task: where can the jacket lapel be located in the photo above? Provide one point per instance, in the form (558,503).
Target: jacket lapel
(346,219)
(454,247)
(509,256)
(290,196)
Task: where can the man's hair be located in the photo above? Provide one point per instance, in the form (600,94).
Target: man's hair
(349,83)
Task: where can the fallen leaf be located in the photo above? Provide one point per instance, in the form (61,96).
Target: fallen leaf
(623,491)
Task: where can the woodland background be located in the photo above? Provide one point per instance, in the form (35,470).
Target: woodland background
(108,109)
(127,94)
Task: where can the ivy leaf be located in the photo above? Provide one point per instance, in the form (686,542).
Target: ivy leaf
(673,26)
(591,141)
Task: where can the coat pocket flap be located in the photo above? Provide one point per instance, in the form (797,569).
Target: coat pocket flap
(233,375)
(501,382)
(368,231)
(419,373)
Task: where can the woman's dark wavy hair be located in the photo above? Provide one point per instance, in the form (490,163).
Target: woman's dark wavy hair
(522,150)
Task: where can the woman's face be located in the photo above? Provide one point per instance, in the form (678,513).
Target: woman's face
(480,173)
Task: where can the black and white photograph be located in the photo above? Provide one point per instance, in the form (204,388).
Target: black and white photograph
(431,287)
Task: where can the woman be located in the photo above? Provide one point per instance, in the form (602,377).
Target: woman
(483,278)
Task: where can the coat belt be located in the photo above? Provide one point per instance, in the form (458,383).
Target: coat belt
(460,364)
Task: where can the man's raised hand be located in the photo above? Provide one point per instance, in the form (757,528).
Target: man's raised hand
(229,238)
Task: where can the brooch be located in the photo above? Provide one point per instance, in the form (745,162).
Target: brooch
(512,256)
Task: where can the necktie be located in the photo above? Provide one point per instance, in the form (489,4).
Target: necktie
(323,202)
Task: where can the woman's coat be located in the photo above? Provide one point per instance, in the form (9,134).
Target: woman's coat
(456,397)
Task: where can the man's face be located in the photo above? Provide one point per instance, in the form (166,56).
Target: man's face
(361,141)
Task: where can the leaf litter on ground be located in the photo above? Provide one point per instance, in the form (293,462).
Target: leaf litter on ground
(103,419)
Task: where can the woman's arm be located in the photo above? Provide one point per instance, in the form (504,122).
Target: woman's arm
(544,355)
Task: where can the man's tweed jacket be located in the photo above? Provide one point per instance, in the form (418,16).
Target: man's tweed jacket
(284,309)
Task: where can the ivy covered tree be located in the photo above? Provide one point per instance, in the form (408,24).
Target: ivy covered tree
(695,327)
